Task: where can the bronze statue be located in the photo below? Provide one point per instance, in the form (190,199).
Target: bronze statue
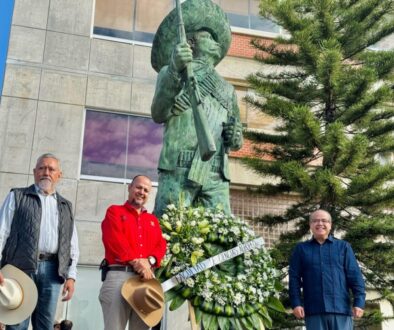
(198,107)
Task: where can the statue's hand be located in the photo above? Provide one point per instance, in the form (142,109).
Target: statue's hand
(181,55)
(232,134)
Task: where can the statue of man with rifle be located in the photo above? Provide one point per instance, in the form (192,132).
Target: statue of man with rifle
(198,107)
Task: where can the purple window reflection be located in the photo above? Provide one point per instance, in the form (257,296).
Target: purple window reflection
(145,140)
(112,141)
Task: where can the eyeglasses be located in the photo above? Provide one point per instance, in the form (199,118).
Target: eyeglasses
(320,220)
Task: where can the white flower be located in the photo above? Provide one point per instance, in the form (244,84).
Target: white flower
(235,230)
(187,228)
(197,240)
(207,295)
(239,298)
(220,301)
(189,282)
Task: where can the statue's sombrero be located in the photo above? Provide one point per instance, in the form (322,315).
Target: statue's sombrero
(197,15)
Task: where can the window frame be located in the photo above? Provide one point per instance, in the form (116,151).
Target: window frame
(234,29)
(99,178)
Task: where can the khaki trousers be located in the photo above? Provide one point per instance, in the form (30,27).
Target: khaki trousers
(116,311)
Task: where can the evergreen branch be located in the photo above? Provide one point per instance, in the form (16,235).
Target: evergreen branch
(283,75)
(262,137)
(379,199)
(359,13)
(378,129)
(365,104)
(382,115)
(370,40)
(369,179)
(382,62)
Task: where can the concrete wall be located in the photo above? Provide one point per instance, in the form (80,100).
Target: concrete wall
(55,70)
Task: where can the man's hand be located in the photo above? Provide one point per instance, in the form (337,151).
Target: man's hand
(68,289)
(357,312)
(1,278)
(299,312)
(143,268)
(181,55)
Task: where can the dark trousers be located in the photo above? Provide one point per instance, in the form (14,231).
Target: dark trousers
(329,322)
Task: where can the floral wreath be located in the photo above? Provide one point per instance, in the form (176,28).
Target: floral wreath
(239,293)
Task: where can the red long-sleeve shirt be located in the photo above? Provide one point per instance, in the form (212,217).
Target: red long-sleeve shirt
(128,235)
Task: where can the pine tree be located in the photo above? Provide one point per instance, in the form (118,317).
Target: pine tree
(333,98)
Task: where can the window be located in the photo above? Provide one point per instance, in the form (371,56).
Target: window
(7,8)
(245,14)
(120,146)
(138,20)
(130,19)
(250,117)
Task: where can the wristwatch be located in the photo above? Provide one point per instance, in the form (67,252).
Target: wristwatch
(152,260)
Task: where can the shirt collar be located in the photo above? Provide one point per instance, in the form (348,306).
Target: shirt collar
(39,191)
(329,239)
(133,209)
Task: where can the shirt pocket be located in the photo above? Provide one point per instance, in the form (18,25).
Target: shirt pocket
(311,259)
(339,259)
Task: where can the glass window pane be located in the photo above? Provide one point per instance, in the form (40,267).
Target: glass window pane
(259,23)
(150,13)
(113,140)
(235,6)
(237,12)
(145,141)
(104,149)
(114,18)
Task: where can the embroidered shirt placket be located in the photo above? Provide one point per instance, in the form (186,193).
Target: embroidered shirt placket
(139,235)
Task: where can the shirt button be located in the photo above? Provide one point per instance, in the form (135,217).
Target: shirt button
(140,235)
(140,244)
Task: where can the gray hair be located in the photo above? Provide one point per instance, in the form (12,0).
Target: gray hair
(320,210)
(49,155)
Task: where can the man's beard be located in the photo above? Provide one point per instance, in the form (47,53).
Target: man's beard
(45,185)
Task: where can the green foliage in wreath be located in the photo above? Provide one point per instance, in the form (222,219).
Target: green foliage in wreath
(237,294)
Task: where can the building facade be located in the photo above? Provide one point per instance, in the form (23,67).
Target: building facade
(78,83)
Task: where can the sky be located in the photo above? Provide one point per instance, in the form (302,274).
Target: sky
(6,8)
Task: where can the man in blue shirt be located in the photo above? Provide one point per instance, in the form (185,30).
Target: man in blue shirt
(325,268)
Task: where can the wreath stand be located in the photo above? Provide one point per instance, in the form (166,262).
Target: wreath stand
(192,317)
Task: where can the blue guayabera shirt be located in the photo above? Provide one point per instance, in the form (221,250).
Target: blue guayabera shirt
(325,273)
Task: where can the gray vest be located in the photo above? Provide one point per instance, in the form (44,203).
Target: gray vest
(21,248)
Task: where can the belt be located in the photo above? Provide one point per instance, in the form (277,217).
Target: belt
(121,268)
(185,160)
(47,257)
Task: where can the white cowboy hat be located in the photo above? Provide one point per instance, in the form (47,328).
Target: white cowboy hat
(18,296)
(146,298)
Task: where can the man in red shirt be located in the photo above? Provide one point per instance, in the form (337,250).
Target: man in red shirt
(134,245)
